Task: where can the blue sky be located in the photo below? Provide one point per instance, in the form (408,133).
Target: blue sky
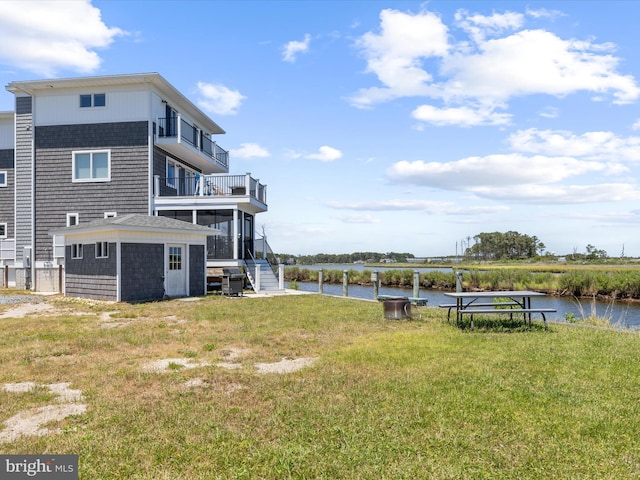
(386,125)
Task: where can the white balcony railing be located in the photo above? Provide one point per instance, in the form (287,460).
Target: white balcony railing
(182,131)
(197,185)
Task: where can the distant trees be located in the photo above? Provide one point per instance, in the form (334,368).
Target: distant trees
(504,246)
(344,258)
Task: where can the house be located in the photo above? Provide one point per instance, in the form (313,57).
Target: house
(135,258)
(77,150)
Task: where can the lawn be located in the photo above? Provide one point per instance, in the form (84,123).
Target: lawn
(378,399)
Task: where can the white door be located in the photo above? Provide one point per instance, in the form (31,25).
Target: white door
(176,277)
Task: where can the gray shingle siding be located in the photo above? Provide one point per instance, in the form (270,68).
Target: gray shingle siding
(6,193)
(160,169)
(127,192)
(142,272)
(23,174)
(91,277)
(197,269)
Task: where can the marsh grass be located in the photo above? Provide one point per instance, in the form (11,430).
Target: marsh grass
(385,400)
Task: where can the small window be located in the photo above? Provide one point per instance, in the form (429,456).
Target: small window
(92,166)
(3,178)
(76,250)
(73,219)
(85,101)
(93,100)
(99,100)
(3,230)
(102,249)
(110,214)
(175,258)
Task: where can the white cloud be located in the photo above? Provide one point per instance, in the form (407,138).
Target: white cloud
(561,194)
(219,99)
(294,47)
(495,171)
(498,60)
(395,55)
(636,125)
(360,218)
(325,154)
(250,150)
(591,145)
(461,116)
(479,26)
(426,206)
(46,36)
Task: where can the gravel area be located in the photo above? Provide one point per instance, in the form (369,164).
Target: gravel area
(9,299)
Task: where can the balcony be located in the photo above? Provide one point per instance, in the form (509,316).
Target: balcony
(189,143)
(207,191)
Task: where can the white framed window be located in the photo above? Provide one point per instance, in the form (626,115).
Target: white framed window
(3,178)
(3,230)
(110,214)
(73,219)
(76,250)
(90,100)
(92,166)
(102,249)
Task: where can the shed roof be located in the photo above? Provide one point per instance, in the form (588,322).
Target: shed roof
(138,222)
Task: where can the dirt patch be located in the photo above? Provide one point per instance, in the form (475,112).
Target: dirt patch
(24,309)
(169,364)
(32,421)
(285,366)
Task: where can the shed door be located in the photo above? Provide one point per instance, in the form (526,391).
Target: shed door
(176,277)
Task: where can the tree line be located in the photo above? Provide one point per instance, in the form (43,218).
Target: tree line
(344,258)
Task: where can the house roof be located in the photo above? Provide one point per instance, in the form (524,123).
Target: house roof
(138,222)
(155,80)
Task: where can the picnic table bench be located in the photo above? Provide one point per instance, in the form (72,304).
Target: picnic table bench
(475,303)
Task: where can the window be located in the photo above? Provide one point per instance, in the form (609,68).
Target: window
(3,178)
(92,166)
(93,100)
(102,249)
(73,219)
(3,230)
(171,174)
(76,250)
(175,258)
(110,214)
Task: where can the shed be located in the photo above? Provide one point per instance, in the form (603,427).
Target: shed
(135,257)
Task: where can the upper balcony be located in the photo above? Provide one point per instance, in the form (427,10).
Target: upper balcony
(188,143)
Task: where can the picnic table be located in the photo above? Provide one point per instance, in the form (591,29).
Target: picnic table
(484,303)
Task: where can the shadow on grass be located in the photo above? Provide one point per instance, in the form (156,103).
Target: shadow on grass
(501,324)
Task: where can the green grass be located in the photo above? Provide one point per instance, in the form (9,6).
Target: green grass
(386,399)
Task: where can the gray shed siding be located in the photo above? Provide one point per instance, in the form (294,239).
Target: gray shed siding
(142,272)
(23,173)
(91,277)
(57,195)
(197,270)
(6,193)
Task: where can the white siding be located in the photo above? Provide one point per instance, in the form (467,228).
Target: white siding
(7,139)
(63,108)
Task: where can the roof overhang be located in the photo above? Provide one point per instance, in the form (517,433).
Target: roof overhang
(154,80)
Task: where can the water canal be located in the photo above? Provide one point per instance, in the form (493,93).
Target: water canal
(621,314)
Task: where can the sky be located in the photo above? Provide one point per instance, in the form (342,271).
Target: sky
(386,126)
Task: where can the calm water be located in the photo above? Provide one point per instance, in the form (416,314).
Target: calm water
(620,313)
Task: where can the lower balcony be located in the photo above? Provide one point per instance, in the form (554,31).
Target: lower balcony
(194,189)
